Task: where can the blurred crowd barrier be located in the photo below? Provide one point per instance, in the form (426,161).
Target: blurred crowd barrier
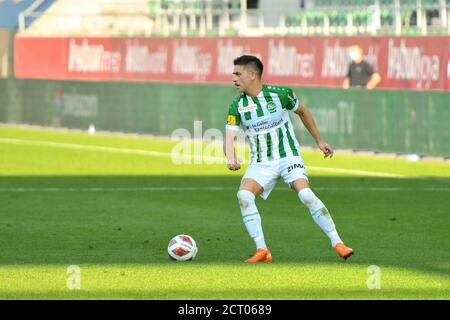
(413,122)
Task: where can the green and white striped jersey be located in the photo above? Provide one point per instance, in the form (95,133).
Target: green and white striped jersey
(265,121)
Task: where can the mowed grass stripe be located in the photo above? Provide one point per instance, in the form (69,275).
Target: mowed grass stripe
(178,157)
(213,188)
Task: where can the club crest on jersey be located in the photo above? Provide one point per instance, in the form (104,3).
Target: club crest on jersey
(271,107)
(248,108)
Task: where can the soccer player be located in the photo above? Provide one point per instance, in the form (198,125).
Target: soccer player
(262,111)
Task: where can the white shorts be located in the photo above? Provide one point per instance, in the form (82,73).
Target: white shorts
(267,173)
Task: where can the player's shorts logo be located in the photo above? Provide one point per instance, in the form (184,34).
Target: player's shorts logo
(295,166)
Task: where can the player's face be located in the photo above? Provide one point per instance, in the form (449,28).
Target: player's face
(242,78)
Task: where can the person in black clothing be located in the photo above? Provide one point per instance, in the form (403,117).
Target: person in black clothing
(360,72)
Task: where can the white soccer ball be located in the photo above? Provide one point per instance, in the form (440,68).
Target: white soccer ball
(182,248)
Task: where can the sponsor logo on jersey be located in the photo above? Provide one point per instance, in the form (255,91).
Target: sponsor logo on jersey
(266,125)
(248,108)
(231,120)
(295,166)
(271,107)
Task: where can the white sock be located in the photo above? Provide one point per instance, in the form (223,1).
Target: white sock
(252,219)
(320,214)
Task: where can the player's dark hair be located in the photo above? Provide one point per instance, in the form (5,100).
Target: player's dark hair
(251,61)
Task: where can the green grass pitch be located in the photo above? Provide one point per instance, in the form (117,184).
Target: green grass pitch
(110,203)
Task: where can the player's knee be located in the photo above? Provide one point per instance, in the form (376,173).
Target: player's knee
(306,196)
(245,198)
(310,200)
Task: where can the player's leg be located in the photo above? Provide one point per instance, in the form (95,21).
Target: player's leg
(317,209)
(248,191)
(259,180)
(321,215)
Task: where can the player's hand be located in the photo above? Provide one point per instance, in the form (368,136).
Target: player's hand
(326,149)
(234,164)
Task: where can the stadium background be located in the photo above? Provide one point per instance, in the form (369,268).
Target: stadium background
(181,50)
(151,67)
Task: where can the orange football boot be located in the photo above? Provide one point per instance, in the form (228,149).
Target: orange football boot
(261,255)
(343,251)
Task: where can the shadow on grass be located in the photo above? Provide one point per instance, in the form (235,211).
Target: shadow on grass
(269,294)
(401,223)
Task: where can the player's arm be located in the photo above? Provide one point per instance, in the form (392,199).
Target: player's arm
(231,132)
(308,120)
(373,81)
(229,149)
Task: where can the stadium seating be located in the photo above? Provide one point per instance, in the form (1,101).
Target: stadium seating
(95,17)
(224,17)
(359,17)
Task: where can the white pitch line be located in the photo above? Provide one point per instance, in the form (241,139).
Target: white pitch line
(96,148)
(75,146)
(210,188)
(356,172)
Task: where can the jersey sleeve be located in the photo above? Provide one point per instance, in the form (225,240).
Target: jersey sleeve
(234,117)
(292,102)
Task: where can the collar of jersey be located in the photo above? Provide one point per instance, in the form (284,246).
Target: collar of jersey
(261,92)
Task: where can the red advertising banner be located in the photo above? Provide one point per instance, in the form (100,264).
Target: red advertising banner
(403,62)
